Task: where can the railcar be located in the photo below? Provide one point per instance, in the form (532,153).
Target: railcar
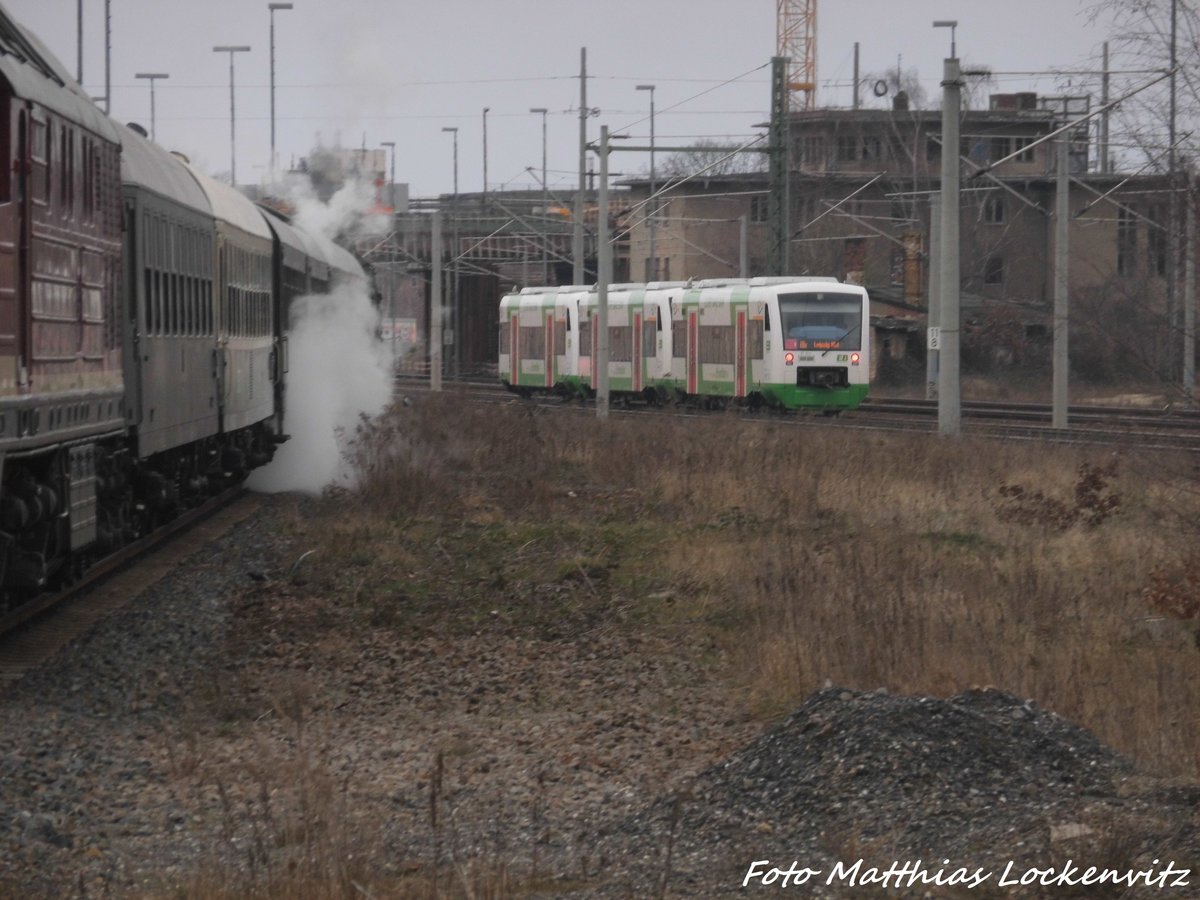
(61,381)
(169,335)
(142,326)
(790,343)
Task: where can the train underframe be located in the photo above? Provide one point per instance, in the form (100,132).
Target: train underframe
(65,507)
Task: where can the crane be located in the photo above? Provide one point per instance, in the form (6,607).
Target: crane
(796,38)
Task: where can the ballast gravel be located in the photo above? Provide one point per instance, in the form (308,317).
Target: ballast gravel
(203,737)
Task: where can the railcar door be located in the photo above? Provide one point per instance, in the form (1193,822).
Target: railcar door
(13,215)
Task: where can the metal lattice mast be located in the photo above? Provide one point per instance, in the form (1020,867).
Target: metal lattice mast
(796,38)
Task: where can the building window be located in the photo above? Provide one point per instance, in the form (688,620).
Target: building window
(872,148)
(814,151)
(993,270)
(993,209)
(847,148)
(1001,147)
(1022,144)
(1126,242)
(933,148)
(1156,245)
(758,208)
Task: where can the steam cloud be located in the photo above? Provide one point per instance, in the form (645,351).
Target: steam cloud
(338,369)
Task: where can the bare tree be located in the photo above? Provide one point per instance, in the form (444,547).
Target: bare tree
(710,153)
(886,85)
(1140,41)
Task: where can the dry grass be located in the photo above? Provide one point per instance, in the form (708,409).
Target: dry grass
(919,564)
(808,554)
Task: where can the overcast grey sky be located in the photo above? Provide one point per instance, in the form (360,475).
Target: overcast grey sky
(384,71)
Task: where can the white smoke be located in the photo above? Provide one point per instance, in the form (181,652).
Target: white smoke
(348,212)
(338,371)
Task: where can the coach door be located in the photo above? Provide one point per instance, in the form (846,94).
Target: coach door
(13,242)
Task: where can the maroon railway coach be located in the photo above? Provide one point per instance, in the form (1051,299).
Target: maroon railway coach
(60,342)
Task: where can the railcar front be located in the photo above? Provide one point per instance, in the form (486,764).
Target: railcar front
(816,346)
(61,385)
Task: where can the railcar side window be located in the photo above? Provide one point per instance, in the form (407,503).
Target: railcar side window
(716,344)
(585,336)
(679,339)
(620,343)
(754,339)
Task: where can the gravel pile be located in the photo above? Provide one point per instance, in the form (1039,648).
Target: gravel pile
(979,781)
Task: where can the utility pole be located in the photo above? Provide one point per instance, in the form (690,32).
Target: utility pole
(577,237)
(652,275)
(435,302)
(949,396)
(1105,164)
(1061,236)
(1189,297)
(934,313)
(271,8)
(108,57)
(856,97)
(603,277)
(545,202)
(1172,212)
(779,178)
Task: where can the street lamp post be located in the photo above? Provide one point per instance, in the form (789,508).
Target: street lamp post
(545,202)
(653,272)
(454,130)
(392,184)
(485,112)
(152,76)
(454,283)
(231,50)
(272,7)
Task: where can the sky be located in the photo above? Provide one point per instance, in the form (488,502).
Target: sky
(356,73)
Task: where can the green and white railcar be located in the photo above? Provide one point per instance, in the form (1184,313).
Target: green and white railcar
(816,342)
(794,343)
(639,338)
(539,340)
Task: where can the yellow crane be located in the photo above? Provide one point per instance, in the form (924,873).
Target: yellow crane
(796,38)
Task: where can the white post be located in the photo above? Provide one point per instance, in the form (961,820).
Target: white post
(949,390)
(1058,415)
(435,302)
(603,277)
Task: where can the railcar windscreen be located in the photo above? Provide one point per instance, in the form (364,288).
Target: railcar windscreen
(820,321)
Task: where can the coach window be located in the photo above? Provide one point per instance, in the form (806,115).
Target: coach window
(47,155)
(148,301)
(64,169)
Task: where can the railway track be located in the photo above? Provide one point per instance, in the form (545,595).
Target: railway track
(1148,428)
(35,631)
